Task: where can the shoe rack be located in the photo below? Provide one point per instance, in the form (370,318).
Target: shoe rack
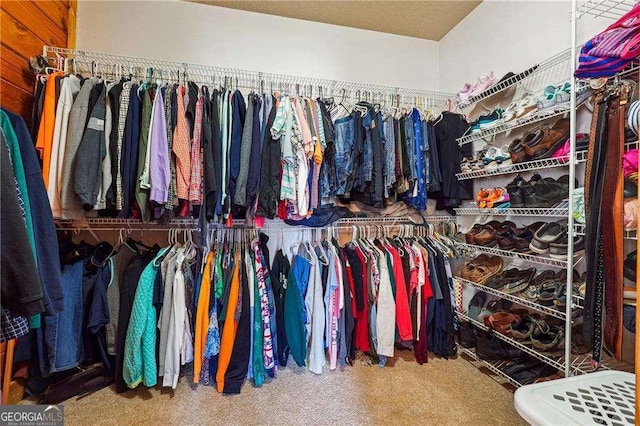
(555,69)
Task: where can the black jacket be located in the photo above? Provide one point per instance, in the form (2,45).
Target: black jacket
(44,229)
(21,290)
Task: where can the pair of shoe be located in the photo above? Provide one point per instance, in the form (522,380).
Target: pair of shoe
(538,332)
(532,292)
(480,269)
(527,370)
(497,157)
(487,121)
(512,280)
(521,108)
(489,234)
(538,192)
(473,163)
(557,99)
(552,239)
(490,198)
(518,239)
(469,91)
(540,142)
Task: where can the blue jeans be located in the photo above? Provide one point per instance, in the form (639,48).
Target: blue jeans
(344,140)
(63,331)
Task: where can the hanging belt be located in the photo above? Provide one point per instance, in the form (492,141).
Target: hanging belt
(612,226)
(592,324)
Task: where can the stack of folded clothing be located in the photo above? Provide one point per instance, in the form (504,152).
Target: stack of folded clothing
(613,49)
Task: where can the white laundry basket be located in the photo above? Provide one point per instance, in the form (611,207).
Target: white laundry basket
(601,398)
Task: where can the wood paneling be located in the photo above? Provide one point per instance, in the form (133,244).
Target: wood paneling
(16,99)
(57,13)
(31,17)
(26,26)
(15,69)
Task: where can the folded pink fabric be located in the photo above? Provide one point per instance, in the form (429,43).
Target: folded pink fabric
(563,151)
(630,162)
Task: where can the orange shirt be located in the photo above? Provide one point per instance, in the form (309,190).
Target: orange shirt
(182,149)
(44,141)
(202,318)
(230,327)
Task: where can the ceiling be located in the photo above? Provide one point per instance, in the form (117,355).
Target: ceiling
(430,20)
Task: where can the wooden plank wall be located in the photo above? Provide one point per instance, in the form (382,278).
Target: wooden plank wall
(25,27)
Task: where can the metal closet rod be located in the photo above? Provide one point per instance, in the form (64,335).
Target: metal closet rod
(334,87)
(154,228)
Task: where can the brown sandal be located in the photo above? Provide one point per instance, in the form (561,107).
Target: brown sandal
(502,321)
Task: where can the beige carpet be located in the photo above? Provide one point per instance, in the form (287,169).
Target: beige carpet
(441,392)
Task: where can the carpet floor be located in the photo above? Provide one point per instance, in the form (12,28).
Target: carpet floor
(441,392)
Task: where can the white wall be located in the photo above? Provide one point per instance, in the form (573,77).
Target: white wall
(196,33)
(503,36)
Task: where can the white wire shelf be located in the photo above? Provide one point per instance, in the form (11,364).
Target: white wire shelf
(243,78)
(518,78)
(530,258)
(581,156)
(124,223)
(612,9)
(515,299)
(579,229)
(580,364)
(492,366)
(559,210)
(544,358)
(545,163)
(502,128)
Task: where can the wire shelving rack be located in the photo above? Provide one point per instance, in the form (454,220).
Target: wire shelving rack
(529,258)
(105,63)
(505,169)
(612,9)
(548,310)
(520,79)
(493,366)
(559,210)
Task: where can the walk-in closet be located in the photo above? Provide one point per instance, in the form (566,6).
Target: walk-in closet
(319,212)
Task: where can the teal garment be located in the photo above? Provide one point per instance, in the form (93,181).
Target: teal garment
(18,171)
(218,276)
(142,194)
(293,311)
(139,365)
(258,335)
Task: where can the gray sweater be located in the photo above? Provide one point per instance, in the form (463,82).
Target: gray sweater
(92,150)
(77,121)
(240,196)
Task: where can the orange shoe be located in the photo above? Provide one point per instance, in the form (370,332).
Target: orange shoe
(482,196)
(496,197)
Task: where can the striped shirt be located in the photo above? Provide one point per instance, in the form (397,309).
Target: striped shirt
(196,186)
(181,149)
(122,118)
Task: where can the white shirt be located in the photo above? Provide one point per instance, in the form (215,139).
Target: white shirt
(68,91)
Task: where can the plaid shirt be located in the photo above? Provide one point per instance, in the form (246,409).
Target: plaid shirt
(122,118)
(12,327)
(181,144)
(171,199)
(196,186)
